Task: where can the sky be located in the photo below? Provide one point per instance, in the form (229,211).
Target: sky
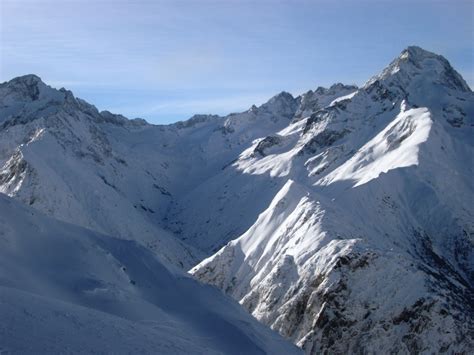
(167,60)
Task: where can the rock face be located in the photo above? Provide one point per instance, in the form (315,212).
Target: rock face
(322,97)
(368,246)
(341,218)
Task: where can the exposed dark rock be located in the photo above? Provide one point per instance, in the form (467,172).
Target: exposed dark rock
(322,140)
(266,143)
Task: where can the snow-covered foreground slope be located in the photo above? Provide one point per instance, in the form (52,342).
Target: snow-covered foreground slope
(368,245)
(67,289)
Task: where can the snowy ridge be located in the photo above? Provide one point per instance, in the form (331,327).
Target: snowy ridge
(311,101)
(394,147)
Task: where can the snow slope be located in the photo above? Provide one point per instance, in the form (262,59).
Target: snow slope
(68,289)
(368,244)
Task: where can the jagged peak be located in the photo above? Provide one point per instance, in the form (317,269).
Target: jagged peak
(282,103)
(194,120)
(414,61)
(28,79)
(29,87)
(417,53)
(312,101)
(117,119)
(321,90)
(284,95)
(253,108)
(339,86)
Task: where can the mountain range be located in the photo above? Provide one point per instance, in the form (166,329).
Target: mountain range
(341,218)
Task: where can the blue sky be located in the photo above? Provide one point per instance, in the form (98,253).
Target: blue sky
(166,60)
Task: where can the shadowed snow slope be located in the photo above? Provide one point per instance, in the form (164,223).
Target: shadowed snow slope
(68,289)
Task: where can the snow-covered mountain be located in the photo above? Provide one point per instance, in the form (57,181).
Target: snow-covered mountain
(58,157)
(68,289)
(341,218)
(368,246)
